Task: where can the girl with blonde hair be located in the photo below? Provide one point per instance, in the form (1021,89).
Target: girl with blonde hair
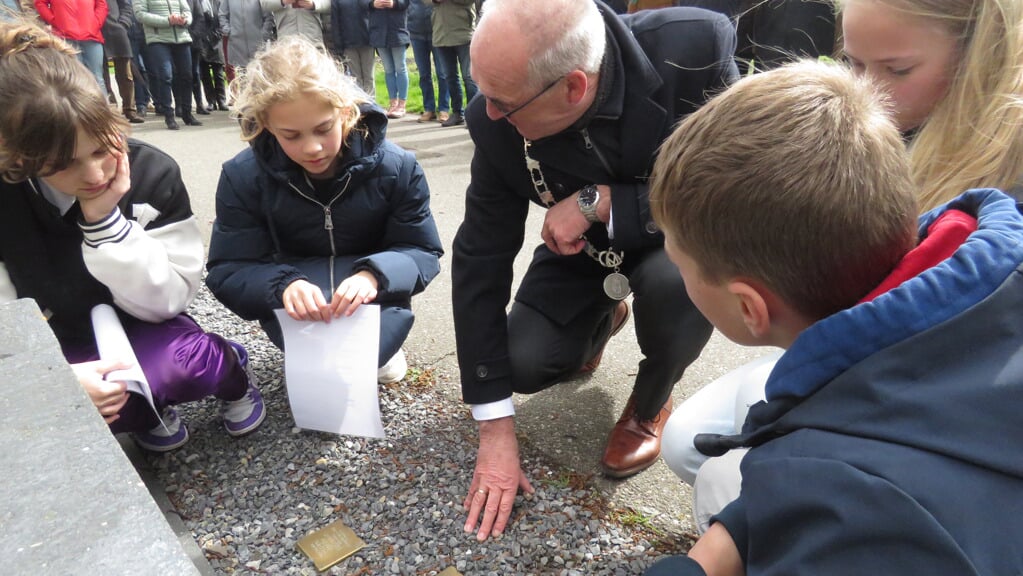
(954,70)
(321,213)
(91,217)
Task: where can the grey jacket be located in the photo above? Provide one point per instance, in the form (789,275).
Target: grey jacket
(297,21)
(153,15)
(241,21)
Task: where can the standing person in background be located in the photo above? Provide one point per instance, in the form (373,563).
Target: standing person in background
(420,27)
(300,17)
(118,47)
(241,24)
(453,23)
(28,9)
(10,10)
(388,33)
(211,62)
(169,55)
(204,23)
(139,71)
(80,22)
(350,26)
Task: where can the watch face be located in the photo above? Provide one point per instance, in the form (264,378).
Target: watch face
(588,195)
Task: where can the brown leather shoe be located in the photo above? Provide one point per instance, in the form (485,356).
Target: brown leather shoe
(442,116)
(634,444)
(617,323)
(427,116)
(133,116)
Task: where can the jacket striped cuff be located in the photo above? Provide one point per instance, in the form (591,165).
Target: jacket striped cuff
(113,228)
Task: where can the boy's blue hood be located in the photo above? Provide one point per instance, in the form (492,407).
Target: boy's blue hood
(887,369)
(980,265)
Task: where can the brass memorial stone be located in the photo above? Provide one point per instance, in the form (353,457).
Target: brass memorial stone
(330,545)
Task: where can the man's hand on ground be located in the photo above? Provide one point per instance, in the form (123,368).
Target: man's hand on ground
(496,480)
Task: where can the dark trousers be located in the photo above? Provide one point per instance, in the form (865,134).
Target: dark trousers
(670,331)
(125,83)
(774,32)
(140,74)
(214,84)
(453,60)
(197,79)
(422,50)
(171,71)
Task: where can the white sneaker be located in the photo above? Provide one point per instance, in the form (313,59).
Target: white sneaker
(394,370)
(169,435)
(244,415)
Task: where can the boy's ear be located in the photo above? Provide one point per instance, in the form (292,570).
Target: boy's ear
(756,314)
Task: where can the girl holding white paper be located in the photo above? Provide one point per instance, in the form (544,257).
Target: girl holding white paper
(321,213)
(90,217)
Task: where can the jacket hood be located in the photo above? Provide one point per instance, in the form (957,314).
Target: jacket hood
(362,150)
(935,363)
(938,294)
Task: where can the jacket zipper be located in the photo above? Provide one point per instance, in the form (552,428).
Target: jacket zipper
(328,218)
(600,156)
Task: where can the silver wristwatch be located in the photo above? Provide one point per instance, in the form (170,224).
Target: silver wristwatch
(588,198)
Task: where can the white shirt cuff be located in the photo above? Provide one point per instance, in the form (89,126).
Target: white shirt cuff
(611,224)
(493,410)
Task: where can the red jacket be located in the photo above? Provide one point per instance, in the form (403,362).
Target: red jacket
(74,19)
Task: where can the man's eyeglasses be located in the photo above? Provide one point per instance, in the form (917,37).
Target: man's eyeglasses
(507,114)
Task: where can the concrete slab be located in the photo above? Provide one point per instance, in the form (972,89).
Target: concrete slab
(567,424)
(70,501)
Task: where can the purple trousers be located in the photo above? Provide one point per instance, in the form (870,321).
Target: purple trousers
(181,362)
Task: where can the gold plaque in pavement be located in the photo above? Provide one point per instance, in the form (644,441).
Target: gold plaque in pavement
(330,544)
(450,571)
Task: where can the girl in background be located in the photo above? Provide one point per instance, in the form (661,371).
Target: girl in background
(388,33)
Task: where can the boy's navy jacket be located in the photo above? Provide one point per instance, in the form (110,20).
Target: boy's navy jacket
(270,230)
(891,441)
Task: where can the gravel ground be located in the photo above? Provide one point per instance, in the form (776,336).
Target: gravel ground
(247,501)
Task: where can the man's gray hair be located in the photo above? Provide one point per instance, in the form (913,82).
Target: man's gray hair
(564,35)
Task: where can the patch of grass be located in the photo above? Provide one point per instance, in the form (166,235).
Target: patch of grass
(635,519)
(567,479)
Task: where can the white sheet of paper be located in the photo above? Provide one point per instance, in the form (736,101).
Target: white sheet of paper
(331,372)
(112,344)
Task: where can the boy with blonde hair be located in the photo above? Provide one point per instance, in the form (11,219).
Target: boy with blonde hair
(787,205)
